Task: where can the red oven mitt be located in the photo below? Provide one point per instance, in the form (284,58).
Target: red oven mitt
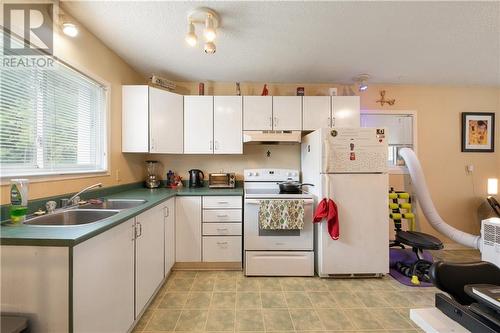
(328,209)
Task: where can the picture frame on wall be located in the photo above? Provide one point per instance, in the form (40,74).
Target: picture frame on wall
(478,132)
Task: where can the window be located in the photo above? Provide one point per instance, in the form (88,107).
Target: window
(52,121)
(400,132)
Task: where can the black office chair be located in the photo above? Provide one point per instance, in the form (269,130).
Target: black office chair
(452,277)
(418,241)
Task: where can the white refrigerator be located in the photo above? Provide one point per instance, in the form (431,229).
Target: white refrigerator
(349,165)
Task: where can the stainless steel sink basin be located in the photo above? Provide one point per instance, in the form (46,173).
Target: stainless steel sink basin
(72,217)
(114,204)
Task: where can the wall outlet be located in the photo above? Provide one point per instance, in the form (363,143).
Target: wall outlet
(117,175)
(470,168)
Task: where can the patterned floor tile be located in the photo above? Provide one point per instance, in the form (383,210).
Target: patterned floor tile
(223,300)
(192,320)
(248,300)
(163,320)
(249,320)
(305,320)
(220,320)
(297,300)
(273,300)
(277,320)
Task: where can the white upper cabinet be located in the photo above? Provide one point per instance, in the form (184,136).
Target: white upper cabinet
(316,112)
(166,116)
(198,124)
(345,111)
(135,119)
(287,113)
(258,113)
(151,120)
(228,122)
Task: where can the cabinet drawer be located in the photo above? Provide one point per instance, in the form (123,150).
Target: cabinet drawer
(222,202)
(221,229)
(219,215)
(275,263)
(221,248)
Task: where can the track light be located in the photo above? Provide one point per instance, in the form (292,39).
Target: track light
(191,38)
(210,48)
(209,31)
(210,20)
(362,82)
(70,29)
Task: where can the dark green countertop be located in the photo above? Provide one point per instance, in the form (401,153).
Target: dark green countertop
(72,235)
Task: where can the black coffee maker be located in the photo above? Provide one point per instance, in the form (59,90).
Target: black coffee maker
(196,178)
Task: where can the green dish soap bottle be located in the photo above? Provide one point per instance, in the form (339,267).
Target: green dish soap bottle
(18,200)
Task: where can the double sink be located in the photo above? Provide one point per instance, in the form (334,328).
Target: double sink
(85,214)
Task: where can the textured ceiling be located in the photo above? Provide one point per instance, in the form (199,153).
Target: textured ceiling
(395,42)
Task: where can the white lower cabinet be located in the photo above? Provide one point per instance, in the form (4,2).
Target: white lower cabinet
(188,229)
(103,281)
(169,235)
(149,255)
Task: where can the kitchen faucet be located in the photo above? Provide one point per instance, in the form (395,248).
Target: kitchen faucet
(67,202)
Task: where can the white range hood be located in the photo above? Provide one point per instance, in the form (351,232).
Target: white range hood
(271,137)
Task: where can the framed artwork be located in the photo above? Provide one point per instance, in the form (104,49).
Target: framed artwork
(478,132)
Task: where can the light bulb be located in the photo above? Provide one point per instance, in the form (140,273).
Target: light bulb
(209,31)
(362,86)
(70,29)
(210,48)
(492,186)
(191,38)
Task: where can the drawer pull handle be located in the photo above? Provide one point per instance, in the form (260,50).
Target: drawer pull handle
(222,202)
(221,243)
(222,215)
(222,229)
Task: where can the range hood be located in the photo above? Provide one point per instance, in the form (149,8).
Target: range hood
(271,137)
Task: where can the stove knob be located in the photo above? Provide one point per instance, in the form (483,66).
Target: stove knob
(250,174)
(295,174)
(256,174)
(289,174)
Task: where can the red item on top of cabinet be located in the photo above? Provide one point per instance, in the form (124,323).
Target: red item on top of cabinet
(265,92)
(327,208)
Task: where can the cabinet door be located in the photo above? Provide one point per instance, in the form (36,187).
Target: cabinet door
(316,112)
(228,135)
(103,281)
(188,229)
(169,235)
(135,120)
(345,111)
(166,112)
(198,124)
(287,113)
(149,255)
(257,113)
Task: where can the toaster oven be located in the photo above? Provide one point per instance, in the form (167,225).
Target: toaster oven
(222,180)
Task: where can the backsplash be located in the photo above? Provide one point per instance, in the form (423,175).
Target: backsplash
(255,156)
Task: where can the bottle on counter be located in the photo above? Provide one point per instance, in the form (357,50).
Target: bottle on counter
(18,200)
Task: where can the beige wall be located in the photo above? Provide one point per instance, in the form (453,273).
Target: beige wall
(90,55)
(456,194)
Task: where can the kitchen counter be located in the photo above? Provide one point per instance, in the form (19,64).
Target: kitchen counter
(73,235)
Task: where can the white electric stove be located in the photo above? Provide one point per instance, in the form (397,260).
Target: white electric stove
(276,252)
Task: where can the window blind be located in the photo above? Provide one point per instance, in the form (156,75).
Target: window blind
(52,121)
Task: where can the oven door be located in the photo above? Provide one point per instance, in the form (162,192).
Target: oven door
(257,239)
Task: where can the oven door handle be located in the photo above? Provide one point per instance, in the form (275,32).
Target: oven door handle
(257,201)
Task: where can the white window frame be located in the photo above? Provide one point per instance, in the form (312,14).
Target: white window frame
(68,174)
(399,170)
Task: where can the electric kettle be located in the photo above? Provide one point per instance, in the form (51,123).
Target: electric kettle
(196,178)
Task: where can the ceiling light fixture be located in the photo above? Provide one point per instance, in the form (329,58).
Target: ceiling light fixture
(70,29)
(210,20)
(191,38)
(362,82)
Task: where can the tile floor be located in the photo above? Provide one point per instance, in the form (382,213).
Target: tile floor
(224,301)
